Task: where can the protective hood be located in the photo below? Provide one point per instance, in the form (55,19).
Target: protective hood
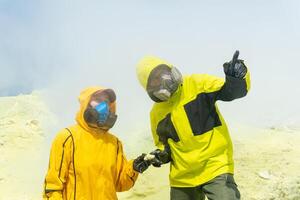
(146,65)
(84,99)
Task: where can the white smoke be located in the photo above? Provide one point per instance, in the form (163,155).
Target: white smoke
(63,47)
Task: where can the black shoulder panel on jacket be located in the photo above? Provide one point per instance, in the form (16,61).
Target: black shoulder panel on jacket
(202,113)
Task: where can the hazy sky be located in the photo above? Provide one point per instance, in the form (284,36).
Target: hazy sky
(64,46)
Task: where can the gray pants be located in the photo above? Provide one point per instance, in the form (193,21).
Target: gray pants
(222,187)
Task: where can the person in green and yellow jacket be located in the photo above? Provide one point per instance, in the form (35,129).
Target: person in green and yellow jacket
(188,128)
(87,162)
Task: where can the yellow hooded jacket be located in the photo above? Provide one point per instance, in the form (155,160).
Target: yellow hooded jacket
(87,163)
(192,126)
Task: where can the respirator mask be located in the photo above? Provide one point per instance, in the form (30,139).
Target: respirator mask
(163,81)
(98,113)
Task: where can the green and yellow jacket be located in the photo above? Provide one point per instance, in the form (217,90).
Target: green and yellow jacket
(191,125)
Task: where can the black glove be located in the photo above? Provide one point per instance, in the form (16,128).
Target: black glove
(140,165)
(161,157)
(236,67)
(156,161)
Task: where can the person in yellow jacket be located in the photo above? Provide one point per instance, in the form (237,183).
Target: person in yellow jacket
(188,128)
(87,162)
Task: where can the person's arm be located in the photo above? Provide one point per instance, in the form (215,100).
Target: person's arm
(235,85)
(234,88)
(126,175)
(58,166)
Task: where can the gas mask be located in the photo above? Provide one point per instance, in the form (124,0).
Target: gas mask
(98,113)
(163,81)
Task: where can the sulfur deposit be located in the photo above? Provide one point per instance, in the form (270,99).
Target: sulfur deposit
(266,159)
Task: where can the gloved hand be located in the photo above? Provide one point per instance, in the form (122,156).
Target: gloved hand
(236,67)
(140,165)
(161,157)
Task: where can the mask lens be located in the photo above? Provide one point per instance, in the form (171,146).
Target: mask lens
(104,95)
(161,84)
(158,77)
(98,113)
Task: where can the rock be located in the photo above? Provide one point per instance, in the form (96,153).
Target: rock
(265,174)
(149,157)
(34,122)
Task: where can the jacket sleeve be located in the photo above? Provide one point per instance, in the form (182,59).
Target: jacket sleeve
(126,175)
(234,88)
(58,166)
(226,90)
